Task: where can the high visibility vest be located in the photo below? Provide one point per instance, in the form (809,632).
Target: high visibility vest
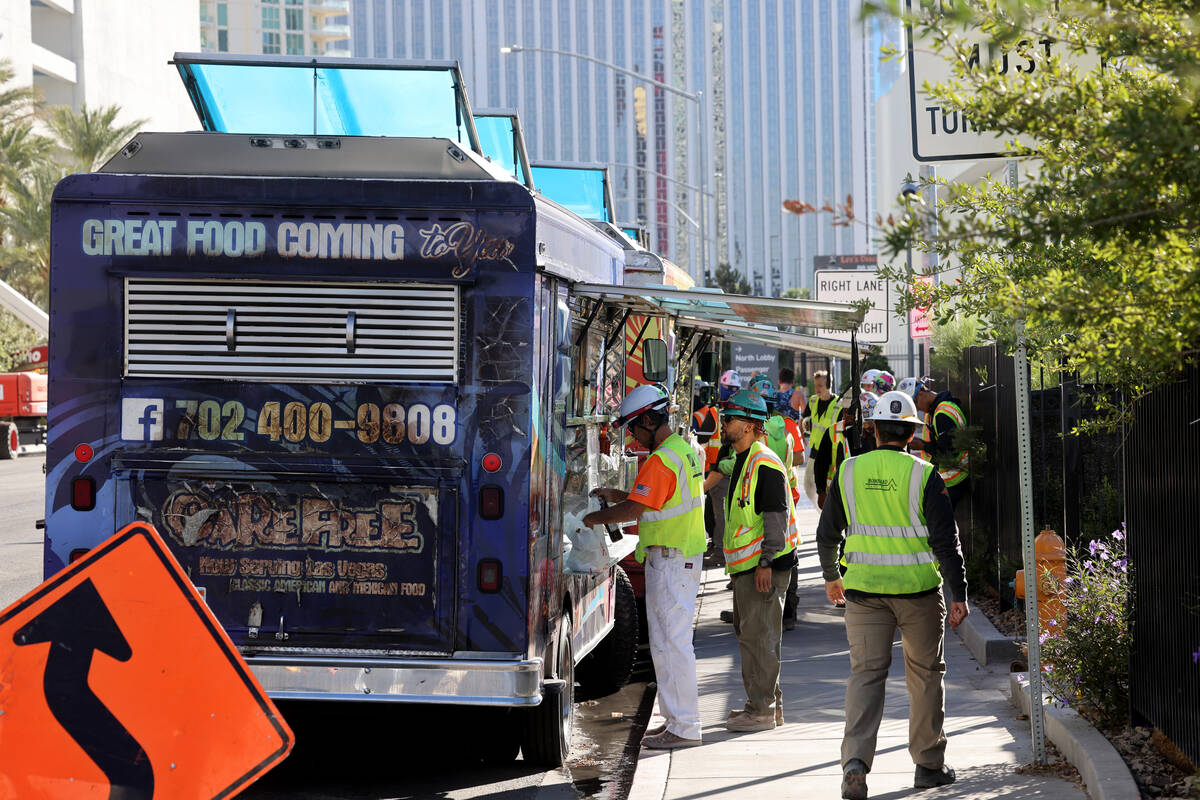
(822,424)
(680,522)
(700,424)
(785,447)
(887,543)
(957,473)
(704,421)
(744,527)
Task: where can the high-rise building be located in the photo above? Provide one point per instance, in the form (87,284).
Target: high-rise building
(102,53)
(785,110)
(275,27)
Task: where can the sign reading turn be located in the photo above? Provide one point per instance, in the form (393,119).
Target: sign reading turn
(117,681)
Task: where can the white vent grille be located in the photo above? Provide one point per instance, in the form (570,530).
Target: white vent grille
(313,332)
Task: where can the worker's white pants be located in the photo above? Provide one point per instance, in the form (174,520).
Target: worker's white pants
(672,583)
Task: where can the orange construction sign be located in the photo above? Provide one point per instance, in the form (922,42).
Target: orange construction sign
(116,681)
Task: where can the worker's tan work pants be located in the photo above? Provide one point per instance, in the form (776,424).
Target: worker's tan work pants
(870,628)
(758,625)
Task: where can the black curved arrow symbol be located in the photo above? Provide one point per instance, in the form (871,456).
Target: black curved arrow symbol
(77,625)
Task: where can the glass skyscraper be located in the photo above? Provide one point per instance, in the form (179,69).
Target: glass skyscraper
(787,107)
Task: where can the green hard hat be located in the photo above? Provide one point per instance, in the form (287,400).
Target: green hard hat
(764,386)
(746,403)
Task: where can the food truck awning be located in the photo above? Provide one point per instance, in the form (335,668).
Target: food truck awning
(717,306)
(771,337)
(735,317)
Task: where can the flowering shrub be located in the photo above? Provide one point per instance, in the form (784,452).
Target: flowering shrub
(1086,655)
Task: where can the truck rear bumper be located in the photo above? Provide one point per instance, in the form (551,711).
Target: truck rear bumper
(479,682)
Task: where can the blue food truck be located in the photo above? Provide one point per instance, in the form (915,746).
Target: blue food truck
(336,356)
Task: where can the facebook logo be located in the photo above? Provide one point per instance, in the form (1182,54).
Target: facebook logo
(142,419)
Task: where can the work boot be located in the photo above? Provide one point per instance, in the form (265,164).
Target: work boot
(854,780)
(926,778)
(747,722)
(727,616)
(656,730)
(668,741)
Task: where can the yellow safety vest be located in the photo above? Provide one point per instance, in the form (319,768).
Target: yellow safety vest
(822,424)
(887,543)
(680,522)
(956,474)
(744,527)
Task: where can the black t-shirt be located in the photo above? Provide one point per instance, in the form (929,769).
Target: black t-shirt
(771,494)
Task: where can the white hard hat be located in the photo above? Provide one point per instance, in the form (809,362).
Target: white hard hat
(896,406)
(868,377)
(867,401)
(730,378)
(647,397)
(907,385)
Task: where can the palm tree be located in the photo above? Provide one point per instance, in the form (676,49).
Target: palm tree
(20,146)
(25,219)
(90,136)
(16,102)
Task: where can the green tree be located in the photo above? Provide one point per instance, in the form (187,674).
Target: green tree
(730,280)
(20,147)
(798,293)
(25,218)
(90,136)
(1096,251)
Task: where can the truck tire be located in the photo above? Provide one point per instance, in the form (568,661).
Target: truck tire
(549,726)
(608,667)
(10,443)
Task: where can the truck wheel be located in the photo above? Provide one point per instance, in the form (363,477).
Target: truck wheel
(548,728)
(608,667)
(10,442)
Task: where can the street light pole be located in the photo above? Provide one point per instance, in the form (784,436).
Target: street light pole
(695,97)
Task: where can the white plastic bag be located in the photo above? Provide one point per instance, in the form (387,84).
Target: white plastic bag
(589,552)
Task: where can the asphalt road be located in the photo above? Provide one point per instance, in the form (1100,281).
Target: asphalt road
(393,752)
(22,503)
(384,752)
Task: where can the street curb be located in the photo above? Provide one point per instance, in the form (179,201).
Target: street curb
(654,766)
(987,645)
(1100,765)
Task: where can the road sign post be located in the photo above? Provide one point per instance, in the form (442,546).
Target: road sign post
(119,682)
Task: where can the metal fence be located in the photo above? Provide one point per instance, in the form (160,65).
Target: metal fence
(1077,481)
(1084,487)
(1162,502)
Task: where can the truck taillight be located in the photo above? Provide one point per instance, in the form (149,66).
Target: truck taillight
(491,502)
(84,453)
(490,575)
(83,493)
(76,554)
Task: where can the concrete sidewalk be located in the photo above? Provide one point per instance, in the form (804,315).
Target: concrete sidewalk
(801,758)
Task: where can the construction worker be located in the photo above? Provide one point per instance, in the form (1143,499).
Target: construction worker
(760,541)
(819,418)
(900,542)
(730,383)
(667,503)
(706,426)
(944,417)
(785,441)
